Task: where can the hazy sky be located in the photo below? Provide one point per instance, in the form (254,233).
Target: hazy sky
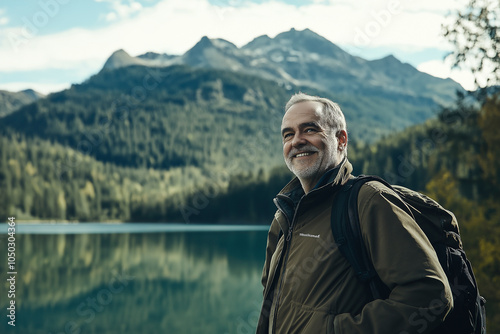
(49,44)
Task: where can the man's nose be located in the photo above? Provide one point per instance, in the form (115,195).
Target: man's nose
(298,140)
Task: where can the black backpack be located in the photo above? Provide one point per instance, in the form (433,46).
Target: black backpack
(441,227)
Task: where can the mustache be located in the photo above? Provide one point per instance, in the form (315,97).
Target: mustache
(307,148)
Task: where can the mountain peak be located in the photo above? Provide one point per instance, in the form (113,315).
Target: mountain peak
(120,58)
(308,41)
(219,43)
(33,93)
(294,33)
(204,42)
(257,42)
(390,59)
(195,54)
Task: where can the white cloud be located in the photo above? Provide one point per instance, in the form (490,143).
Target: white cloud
(121,9)
(407,5)
(173,26)
(432,5)
(111,16)
(442,69)
(3,19)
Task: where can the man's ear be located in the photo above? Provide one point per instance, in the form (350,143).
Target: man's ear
(342,139)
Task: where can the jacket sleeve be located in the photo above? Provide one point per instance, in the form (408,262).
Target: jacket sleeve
(272,241)
(406,262)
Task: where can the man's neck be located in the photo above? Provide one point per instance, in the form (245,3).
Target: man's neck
(306,186)
(310,184)
(318,181)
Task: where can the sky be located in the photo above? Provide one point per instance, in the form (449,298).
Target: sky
(47,45)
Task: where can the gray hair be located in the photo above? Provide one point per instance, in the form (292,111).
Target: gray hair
(331,111)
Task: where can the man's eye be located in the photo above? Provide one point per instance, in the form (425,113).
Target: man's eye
(287,135)
(310,130)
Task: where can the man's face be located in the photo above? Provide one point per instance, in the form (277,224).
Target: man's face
(310,147)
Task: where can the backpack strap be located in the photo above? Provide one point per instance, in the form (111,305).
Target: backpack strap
(347,234)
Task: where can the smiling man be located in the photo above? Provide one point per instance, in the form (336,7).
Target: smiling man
(309,286)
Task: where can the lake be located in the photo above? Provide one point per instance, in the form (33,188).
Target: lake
(134,278)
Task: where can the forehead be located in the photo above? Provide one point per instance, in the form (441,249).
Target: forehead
(302,112)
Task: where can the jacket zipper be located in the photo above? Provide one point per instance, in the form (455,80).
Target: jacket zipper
(287,244)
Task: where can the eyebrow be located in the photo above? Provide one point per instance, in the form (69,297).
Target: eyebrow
(302,125)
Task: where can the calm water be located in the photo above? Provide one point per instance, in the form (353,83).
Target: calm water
(134,279)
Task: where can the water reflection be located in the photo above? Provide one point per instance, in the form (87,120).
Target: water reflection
(134,283)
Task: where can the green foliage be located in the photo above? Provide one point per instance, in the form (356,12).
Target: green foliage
(489,123)
(42,180)
(474,32)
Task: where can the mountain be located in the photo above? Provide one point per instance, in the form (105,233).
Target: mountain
(305,58)
(121,58)
(397,94)
(214,53)
(10,101)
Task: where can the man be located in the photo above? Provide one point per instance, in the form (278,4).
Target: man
(309,287)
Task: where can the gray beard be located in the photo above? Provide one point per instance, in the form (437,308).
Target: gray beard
(305,172)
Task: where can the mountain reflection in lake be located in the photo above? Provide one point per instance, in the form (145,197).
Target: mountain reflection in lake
(197,282)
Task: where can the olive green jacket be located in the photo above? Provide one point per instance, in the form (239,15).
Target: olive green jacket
(309,287)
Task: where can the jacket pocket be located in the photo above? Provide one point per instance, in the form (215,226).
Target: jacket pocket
(310,320)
